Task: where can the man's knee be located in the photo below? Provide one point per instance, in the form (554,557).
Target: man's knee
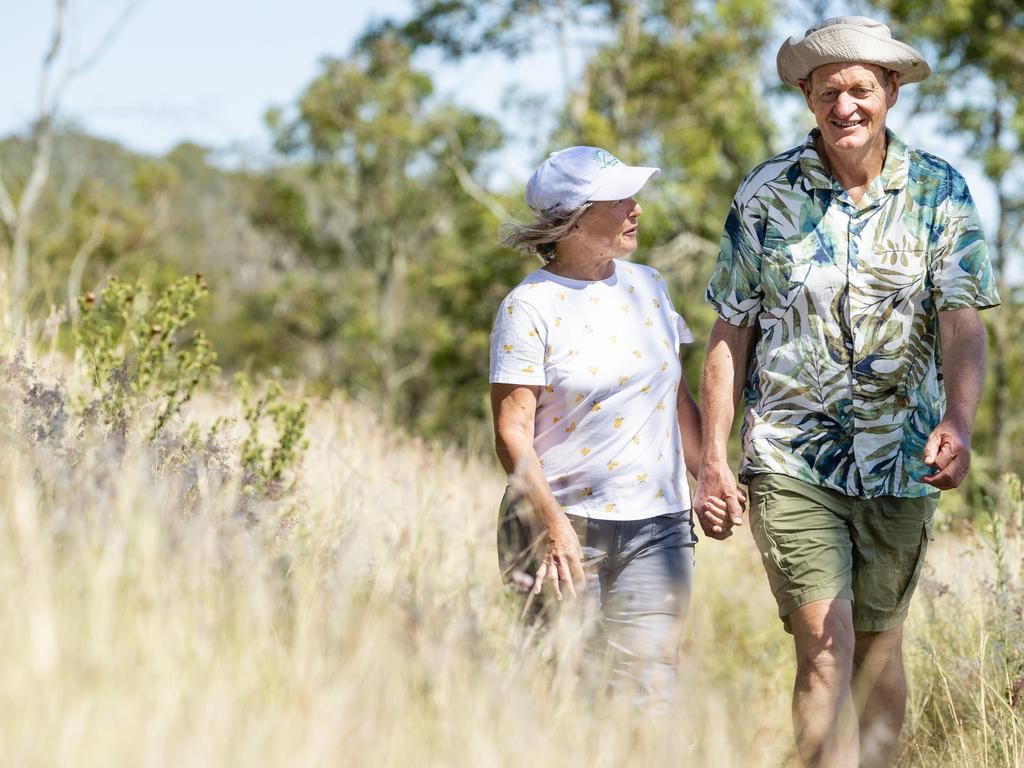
(879,647)
(878,664)
(829,658)
(824,639)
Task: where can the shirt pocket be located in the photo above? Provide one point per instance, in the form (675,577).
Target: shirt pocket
(902,271)
(908,260)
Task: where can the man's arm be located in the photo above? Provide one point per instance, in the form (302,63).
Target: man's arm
(725,374)
(948,450)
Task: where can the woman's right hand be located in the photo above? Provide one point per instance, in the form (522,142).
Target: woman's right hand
(563,560)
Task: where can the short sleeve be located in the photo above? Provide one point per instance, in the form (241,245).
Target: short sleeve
(683,333)
(961,271)
(683,330)
(517,345)
(735,287)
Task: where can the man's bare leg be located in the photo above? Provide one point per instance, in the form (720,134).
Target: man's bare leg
(880,691)
(823,718)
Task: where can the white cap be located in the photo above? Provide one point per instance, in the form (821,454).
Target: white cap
(571,177)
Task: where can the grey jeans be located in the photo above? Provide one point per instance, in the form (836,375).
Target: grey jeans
(639,580)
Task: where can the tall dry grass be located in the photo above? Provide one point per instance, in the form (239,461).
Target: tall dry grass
(362,623)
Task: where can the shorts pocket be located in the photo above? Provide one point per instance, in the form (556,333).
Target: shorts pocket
(883,590)
(915,575)
(813,560)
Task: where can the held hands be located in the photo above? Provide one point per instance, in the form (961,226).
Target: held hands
(948,452)
(719,502)
(563,561)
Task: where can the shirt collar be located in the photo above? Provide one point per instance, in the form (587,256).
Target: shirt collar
(811,165)
(894,170)
(897,163)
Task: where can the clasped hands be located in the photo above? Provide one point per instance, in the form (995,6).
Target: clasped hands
(719,502)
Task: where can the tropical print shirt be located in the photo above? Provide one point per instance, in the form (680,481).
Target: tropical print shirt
(845,384)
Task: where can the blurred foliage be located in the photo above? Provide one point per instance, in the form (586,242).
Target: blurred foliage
(265,466)
(672,82)
(129,342)
(677,86)
(362,254)
(140,368)
(399,269)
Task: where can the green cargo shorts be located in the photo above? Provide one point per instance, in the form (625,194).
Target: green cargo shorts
(819,544)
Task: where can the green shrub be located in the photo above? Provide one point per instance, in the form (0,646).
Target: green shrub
(130,345)
(144,365)
(264,467)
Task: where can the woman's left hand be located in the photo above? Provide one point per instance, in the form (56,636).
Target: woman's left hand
(563,560)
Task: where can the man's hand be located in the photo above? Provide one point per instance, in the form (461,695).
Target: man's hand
(948,451)
(563,560)
(718,502)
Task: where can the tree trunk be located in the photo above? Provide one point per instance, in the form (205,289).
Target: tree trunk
(26,208)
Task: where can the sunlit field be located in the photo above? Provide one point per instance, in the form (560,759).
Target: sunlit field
(360,621)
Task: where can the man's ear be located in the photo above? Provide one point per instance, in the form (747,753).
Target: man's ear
(805,89)
(894,90)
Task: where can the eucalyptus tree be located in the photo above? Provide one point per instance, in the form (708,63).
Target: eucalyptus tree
(21,193)
(673,82)
(378,196)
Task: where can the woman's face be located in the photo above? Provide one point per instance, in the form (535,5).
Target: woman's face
(610,227)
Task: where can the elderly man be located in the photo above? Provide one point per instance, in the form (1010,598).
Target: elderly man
(848,285)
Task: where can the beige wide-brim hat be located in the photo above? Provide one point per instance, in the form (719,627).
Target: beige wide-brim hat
(854,39)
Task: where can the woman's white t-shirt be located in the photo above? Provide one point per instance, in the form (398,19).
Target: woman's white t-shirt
(606,354)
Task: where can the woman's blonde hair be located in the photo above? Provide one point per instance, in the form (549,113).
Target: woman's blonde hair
(541,235)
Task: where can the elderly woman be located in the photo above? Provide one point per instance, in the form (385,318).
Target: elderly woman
(593,420)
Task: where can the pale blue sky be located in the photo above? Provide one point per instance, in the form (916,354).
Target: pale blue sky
(200,69)
(207,70)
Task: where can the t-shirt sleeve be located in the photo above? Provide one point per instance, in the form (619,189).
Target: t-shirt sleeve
(735,286)
(961,271)
(685,334)
(517,345)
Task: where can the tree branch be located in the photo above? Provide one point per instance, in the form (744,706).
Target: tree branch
(469,186)
(7,210)
(42,138)
(78,263)
(49,60)
(76,70)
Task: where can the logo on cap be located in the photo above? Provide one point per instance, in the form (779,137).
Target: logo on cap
(605,159)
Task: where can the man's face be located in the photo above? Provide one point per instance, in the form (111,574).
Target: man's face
(850,102)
